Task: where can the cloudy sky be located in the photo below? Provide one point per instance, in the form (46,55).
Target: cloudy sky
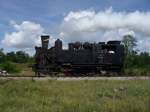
(23,21)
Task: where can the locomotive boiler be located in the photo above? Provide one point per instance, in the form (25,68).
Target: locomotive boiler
(80,57)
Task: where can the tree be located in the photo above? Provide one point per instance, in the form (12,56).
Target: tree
(11,56)
(22,57)
(144,60)
(18,57)
(2,55)
(129,42)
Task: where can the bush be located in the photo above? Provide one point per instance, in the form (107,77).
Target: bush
(10,67)
(137,72)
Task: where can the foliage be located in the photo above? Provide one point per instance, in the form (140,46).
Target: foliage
(130,43)
(10,67)
(135,63)
(18,57)
(10,60)
(2,55)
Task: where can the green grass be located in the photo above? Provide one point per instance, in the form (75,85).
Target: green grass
(74,96)
(26,71)
(137,72)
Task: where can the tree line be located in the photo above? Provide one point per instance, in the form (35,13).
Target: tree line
(10,61)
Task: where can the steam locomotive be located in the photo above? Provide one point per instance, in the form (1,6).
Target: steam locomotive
(80,58)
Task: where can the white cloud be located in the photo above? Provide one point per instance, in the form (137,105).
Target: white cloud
(26,35)
(107,20)
(78,15)
(88,25)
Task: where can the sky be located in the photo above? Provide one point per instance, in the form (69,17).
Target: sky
(23,21)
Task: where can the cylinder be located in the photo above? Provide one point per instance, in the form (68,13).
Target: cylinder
(45,41)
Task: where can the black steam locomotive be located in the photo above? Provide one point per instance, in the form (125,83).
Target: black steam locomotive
(79,57)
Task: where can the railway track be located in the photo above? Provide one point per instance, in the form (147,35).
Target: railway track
(74,78)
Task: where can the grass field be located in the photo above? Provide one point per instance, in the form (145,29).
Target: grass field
(74,96)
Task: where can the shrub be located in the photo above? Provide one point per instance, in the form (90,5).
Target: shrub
(10,67)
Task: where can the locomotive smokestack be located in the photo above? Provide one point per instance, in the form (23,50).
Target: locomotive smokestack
(45,41)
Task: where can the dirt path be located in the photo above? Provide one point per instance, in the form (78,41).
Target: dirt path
(75,78)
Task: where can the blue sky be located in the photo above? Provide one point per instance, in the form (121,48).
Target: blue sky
(50,14)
